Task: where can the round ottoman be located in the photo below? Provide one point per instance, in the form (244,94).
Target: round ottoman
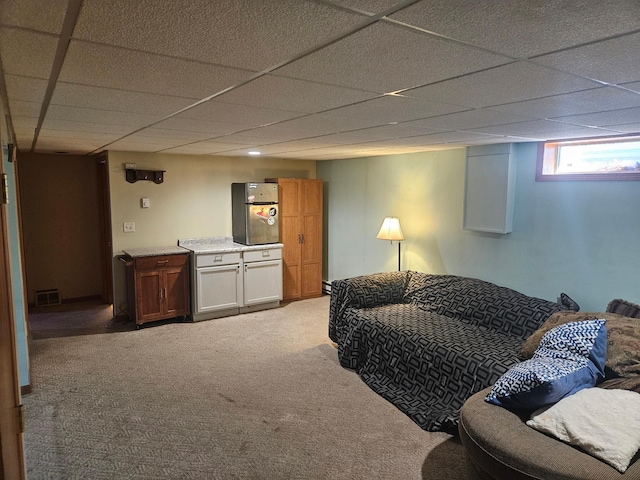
(501,446)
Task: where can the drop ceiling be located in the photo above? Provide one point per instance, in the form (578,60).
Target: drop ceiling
(315,79)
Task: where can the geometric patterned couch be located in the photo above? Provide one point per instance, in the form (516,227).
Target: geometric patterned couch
(427,342)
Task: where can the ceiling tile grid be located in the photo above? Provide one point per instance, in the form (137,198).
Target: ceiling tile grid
(316,79)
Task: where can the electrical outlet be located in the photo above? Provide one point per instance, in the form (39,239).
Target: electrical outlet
(129,227)
(130,166)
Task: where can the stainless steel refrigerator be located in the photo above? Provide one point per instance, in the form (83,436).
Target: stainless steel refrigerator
(254,209)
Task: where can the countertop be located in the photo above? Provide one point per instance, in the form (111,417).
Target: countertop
(199,245)
(221,245)
(153,251)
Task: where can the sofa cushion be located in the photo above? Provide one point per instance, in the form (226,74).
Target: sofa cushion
(479,302)
(425,364)
(623,339)
(378,289)
(569,358)
(603,423)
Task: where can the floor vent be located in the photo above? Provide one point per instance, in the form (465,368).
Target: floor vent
(47,297)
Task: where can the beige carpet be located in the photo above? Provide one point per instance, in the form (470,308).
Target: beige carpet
(256,396)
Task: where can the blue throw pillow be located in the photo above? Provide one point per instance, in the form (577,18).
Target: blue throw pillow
(570,357)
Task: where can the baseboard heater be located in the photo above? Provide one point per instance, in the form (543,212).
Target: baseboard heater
(47,297)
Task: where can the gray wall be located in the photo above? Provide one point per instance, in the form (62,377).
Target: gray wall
(575,237)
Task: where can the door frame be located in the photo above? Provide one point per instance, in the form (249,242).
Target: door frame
(12,464)
(104,218)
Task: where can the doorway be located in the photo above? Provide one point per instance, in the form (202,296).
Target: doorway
(66,228)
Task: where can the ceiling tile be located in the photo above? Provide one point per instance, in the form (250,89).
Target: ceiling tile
(65,145)
(27,89)
(396,108)
(269,32)
(27,53)
(184,135)
(385,58)
(24,125)
(542,129)
(435,138)
(146,140)
(612,61)
(80,114)
(604,119)
(469,119)
(292,94)
(21,108)
(106,66)
(586,101)
(193,149)
(510,83)
(98,137)
(73,126)
(335,122)
(626,127)
(635,86)
(371,6)
(241,115)
(116,100)
(32,15)
(257,136)
(212,128)
(524,28)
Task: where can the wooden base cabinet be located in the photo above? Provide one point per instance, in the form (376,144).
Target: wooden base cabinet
(157,287)
(300,204)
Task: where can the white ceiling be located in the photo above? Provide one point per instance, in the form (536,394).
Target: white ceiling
(318,79)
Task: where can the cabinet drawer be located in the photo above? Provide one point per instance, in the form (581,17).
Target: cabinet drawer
(212,259)
(259,255)
(162,261)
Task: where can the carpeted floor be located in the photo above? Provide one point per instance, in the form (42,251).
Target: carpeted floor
(255,396)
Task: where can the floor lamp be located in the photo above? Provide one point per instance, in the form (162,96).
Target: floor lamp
(391,230)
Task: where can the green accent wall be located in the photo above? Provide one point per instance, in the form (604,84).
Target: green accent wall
(574,237)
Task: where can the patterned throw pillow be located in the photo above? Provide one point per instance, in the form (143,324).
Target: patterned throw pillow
(570,357)
(623,339)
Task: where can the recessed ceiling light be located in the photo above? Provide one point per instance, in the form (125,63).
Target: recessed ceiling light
(254,153)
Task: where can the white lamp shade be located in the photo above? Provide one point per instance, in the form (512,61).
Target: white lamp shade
(390,229)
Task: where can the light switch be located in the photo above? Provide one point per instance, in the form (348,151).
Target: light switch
(145,202)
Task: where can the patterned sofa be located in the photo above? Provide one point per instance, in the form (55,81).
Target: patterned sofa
(427,342)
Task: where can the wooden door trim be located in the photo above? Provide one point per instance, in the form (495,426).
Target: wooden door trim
(11,442)
(104,218)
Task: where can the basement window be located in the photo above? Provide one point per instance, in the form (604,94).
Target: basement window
(611,158)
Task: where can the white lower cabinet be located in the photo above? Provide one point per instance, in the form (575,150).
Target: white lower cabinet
(219,288)
(262,277)
(231,283)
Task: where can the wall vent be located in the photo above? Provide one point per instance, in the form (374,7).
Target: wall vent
(47,297)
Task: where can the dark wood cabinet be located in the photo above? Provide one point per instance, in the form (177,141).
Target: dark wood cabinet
(300,204)
(157,287)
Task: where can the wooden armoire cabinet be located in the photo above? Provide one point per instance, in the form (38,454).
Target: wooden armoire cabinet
(300,218)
